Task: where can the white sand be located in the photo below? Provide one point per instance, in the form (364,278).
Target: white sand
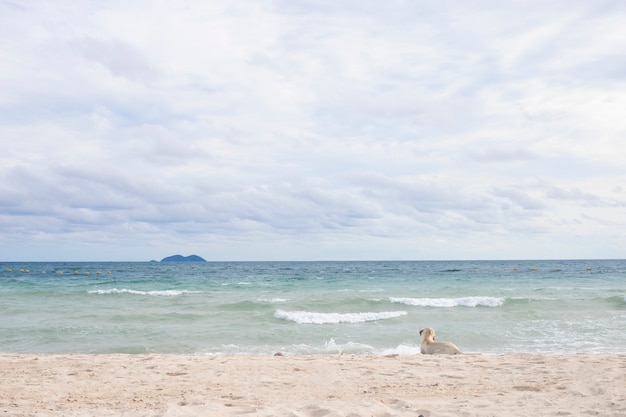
(312,386)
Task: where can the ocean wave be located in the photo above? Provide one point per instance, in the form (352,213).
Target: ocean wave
(328,347)
(616,300)
(308,317)
(157,293)
(348,347)
(450,302)
(272,300)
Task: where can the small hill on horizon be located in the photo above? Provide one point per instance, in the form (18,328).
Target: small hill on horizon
(180,258)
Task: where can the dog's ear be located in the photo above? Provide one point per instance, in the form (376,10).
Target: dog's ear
(421,331)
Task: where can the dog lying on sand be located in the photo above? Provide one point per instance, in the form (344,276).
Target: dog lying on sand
(430,347)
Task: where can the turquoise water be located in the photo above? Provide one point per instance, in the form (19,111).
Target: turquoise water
(312,307)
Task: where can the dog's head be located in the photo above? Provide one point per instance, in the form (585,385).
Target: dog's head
(427,333)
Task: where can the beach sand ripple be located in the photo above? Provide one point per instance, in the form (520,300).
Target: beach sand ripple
(312,386)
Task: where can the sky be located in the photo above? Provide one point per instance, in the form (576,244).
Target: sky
(247,130)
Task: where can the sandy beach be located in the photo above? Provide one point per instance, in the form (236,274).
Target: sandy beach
(312,386)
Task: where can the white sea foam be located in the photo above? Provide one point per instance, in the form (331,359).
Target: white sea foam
(349,347)
(309,317)
(272,300)
(327,347)
(158,293)
(450,302)
(402,350)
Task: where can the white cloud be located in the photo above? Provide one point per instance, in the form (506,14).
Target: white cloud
(312,130)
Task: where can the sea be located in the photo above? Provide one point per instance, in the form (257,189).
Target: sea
(370,308)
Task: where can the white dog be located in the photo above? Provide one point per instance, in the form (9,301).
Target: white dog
(430,347)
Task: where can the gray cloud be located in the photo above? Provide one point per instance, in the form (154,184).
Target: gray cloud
(118,57)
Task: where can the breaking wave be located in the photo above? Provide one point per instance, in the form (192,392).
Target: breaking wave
(157,293)
(308,317)
(451,302)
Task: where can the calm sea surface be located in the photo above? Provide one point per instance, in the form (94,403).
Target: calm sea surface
(312,307)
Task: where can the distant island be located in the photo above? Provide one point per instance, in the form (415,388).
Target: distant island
(180,258)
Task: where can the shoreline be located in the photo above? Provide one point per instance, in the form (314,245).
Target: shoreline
(176,385)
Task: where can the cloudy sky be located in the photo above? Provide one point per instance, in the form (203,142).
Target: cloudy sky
(312,130)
